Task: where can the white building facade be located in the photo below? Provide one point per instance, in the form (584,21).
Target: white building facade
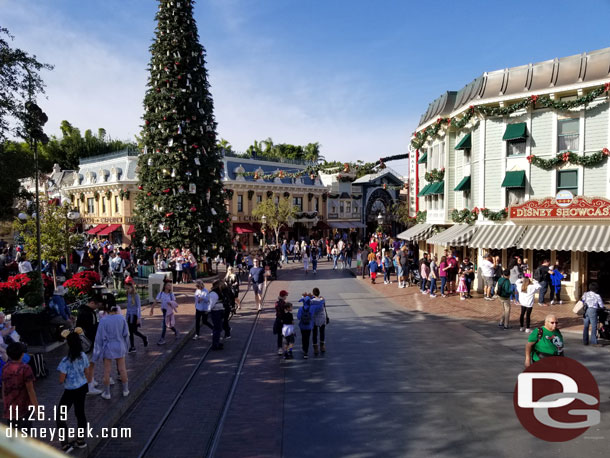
(516,163)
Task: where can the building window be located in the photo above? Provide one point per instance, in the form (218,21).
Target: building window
(240,203)
(341,207)
(276,199)
(316,204)
(259,199)
(515,147)
(567,180)
(467,156)
(515,196)
(355,209)
(348,207)
(116,204)
(104,205)
(567,134)
(90,205)
(298,202)
(467,200)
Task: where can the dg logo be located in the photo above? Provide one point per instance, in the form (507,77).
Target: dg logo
(557,399)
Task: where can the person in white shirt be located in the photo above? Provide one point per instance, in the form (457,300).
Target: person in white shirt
(24,265)
(487,270)
(593,304)
(526,288)
(117,266)
(202,307)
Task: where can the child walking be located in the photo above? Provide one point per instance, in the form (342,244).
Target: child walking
(373,270)
(72,375)
(18,387)
(462,288)
(288,330)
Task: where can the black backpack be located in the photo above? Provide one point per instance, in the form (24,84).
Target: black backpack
(305,319)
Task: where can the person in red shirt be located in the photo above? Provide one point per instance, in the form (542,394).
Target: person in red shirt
(374,245)
(18,388)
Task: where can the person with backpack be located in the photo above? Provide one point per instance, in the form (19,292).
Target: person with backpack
(373,270)
(526,289)
(117,265)
(504,290)
(541,275)
(320,320)
(545,341)
(305,316)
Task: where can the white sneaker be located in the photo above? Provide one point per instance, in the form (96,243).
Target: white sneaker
(195,337)
(125,393)
(528,330)
(93,391)
(94,382)
(106,395)
(521,329)
(111,381)
(552,302)
(462,298)
(560,302)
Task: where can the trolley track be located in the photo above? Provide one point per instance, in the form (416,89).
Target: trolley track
(187,391)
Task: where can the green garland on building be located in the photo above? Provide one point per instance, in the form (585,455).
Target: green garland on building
(542,101)
(435,175)
(470,216)
(421,216)
(590,160)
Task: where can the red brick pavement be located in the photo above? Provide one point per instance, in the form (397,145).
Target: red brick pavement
(474,309)
(142,368)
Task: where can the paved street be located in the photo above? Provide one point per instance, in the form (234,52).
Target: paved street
(395,383)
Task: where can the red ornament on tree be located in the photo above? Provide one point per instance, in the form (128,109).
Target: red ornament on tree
(140,187)
(148,194)
(166,190)
(193,208)
(169,214)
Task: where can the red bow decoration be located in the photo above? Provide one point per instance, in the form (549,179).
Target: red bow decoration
(281,174)
(530,158)
(222,221)
(471,107)
(166,190)
(449,121)
(606,87)
(533,98)
(606,152)
(439,120)
(169,214)
(475,210)
(256,176)
(312,176)
(565,157)
(193,208)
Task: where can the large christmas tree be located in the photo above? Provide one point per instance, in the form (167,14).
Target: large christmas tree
(181,202)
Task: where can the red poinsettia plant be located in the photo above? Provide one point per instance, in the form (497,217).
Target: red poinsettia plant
(81,284)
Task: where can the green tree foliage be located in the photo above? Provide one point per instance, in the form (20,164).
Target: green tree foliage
(55,238)
(182,198)
(275,215)
(19,82)
(266,149)
(400,210)
(72,146)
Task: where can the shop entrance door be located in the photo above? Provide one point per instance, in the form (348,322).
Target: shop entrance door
(598,268)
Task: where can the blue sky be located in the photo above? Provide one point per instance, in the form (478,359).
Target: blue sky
(353,75)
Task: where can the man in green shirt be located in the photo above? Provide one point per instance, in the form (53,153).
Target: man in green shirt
(549,342)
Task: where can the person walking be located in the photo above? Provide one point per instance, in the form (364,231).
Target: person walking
(88,321)
(443,267)
(487,271)
(315,254)
(320,320)
(164,298)
(526,287)
(546,341)
(305,316)
(593,304)
(217,313)
(306,251)
(117,266)
(133,315)
(202,308)
(387,268)
(111,343)
(280,305)
(424,273)
(257,278)
(467,268)
(555,291)
(72,370)
(504,290)
(232,281)
(541,275)
(434,273)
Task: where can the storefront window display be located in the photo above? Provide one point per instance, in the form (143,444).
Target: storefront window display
(539,256)
(598,266)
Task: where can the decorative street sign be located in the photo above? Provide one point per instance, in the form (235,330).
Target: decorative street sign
(561,207)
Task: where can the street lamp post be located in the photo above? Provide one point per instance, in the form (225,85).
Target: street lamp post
(263,224)
(379,219)
(70,216)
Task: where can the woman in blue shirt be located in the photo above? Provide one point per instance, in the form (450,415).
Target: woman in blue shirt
(72,375)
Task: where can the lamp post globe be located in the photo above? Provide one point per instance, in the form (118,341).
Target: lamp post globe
(263,220)
(379,219)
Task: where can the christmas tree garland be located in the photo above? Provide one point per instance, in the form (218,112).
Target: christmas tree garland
(589,160)
(542,101)
(470,216)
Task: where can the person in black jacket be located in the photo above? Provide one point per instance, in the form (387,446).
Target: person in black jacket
(88,321)
(228,301)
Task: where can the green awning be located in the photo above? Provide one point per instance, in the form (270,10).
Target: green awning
(463,185)
(424,190)
(423,159)
(515,131)
(437,188)
(465,142)
(514,179)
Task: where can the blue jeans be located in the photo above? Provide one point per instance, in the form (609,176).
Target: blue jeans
(542,293)
(590,319)
(468,284)
(314,263)
(334,262)
(432,285)
(443,283)
(423,284)
(386,275)
(514,295)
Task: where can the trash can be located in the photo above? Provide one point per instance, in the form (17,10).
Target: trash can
(155,283)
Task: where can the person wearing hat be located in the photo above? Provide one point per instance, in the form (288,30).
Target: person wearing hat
(280,306)
(57,304)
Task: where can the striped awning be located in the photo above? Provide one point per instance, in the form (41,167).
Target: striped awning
(458,235)
(497,236)
(567,238)
(418,232)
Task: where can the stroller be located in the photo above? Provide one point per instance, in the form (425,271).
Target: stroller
(604,324)
(414,275)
